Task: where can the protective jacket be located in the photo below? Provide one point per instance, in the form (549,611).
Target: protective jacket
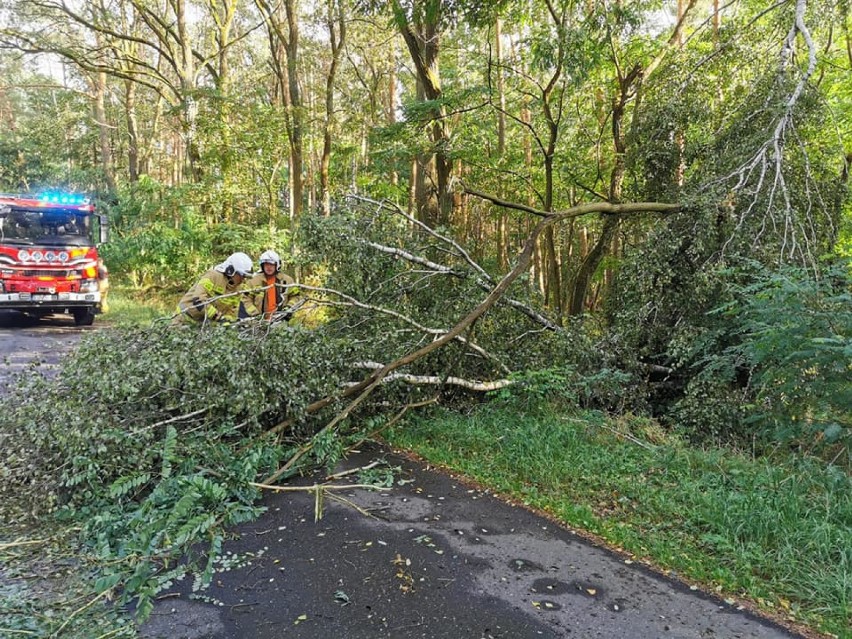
(263,289)
(203,302)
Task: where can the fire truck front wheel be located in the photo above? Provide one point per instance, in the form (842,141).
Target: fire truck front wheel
(83,316)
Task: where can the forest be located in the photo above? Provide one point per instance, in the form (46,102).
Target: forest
(636,207)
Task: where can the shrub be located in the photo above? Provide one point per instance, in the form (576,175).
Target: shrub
(781,369)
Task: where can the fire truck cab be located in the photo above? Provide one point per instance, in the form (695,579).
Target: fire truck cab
(49,259)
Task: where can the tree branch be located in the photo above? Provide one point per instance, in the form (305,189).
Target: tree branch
(435,380)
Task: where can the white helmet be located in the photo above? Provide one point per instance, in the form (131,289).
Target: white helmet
(236,264)
(270,257)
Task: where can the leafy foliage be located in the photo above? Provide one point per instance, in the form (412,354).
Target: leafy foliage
(149,438)
(796,339)
(162,237)
(370,257)
(36,150)
(776,363)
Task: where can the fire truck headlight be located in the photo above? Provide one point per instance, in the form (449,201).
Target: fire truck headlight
(89,286)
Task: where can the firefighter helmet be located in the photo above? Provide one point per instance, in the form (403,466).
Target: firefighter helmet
(237,264)
(270,257)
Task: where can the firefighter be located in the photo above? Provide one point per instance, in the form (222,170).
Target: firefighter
(270,290)
(214,298)
(103,284)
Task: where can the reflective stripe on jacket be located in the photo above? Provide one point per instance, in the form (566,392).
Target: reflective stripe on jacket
(204,302)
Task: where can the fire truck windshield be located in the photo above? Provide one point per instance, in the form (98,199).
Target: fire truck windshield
(50,227)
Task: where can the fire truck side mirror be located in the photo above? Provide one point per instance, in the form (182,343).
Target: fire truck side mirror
(103,229)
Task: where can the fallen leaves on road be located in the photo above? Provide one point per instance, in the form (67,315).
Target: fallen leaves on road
(404,574)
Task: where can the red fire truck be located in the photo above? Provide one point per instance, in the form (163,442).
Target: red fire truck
(48,255)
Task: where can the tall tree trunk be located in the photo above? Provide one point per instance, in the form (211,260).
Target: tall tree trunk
(552,281)
(132,124)
(553,288)
(502,215)
(337,36)
(412,187)
(552,112)
(422,36)
(717,21)
(626,83)
(296,115)
(610,222)
(535,268)
(187,88)
(501,89)
(590,264)
(282,21)
(100,82)
(392,101)
(223,13)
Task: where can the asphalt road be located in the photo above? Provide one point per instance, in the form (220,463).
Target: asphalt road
(28,343)
(433,557)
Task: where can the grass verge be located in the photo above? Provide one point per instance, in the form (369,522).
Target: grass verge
(132,307)
(775,532)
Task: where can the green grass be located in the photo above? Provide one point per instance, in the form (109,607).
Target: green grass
(130,307)
(778,533)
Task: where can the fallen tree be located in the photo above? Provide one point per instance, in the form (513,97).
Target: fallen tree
(359,391)
(163,433)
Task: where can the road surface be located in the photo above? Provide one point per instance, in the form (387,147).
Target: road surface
(433,558)
(27,342)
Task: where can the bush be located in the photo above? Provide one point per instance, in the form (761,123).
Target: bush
(781,370)
(797,339)
(162,237)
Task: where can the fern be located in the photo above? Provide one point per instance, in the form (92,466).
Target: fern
(124,486)
(194,528)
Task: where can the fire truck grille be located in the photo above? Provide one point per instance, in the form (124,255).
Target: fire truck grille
(45,273)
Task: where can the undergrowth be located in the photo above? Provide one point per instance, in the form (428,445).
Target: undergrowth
(132,307)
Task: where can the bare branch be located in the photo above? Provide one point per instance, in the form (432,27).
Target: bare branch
(435,380)
(348,300)
(315,487)
(484,282)
(398,252)
(764,170)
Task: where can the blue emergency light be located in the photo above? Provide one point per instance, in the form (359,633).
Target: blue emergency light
(64,198)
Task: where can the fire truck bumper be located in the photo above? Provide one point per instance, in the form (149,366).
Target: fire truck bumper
(32,301)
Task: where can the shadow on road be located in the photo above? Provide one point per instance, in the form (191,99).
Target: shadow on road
(14,319)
